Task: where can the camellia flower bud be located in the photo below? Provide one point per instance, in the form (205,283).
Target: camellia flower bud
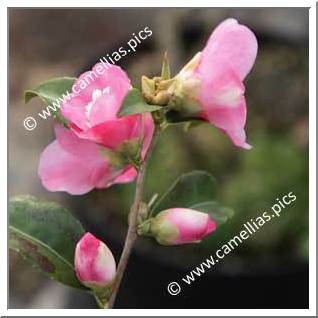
(178,226)
(94,262)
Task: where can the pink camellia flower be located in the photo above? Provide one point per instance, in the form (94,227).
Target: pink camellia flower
(92,110)
(212,82)
(99,148)
(94,262)
(77,166)
(180,226)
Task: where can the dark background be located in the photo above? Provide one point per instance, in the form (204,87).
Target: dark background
(269,270)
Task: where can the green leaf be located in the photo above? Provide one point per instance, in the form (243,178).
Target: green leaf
(218,213)
(135,104)
(51,92)
(189,189)
(45,234)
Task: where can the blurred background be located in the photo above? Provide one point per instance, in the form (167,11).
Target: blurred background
(269,270)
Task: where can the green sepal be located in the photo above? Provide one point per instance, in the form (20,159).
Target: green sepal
(165,71)
(134,103)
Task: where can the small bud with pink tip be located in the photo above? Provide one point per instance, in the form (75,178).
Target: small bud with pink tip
(178,226)
(94,262)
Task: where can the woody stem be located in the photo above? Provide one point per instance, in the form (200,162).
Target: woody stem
(131,235)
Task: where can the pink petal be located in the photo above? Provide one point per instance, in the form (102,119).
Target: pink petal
(94,262)
(70,143)
(86,84)
(192,225)
(86,254)
(115,85)
(230,45)
(115,78)
(73,165)
(111,86)
(148,130)
(128,175)
(104,109)
(74,111)
(210,227)
(112,133)
(224,105)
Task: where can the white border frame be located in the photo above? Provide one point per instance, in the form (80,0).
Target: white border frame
(312,163)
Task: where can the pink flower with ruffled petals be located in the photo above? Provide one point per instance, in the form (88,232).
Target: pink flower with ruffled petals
(214,79)
(98,149)
(92,111)
(94,262)
(180,226)
(77,165)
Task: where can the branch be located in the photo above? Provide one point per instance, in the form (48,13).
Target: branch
(133,220)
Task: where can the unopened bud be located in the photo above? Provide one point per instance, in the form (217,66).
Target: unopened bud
(178,226)
(94,262)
